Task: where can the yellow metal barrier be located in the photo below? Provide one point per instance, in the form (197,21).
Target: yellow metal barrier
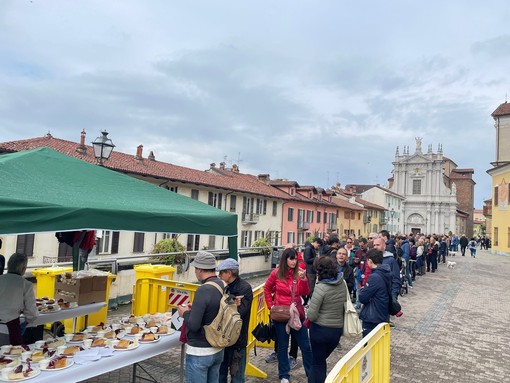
(148,299)
(367,362)
(258,313)
(152,295)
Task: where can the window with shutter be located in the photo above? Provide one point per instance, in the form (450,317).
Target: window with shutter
(65,252)
(25,244)
(115,242)
(138,242)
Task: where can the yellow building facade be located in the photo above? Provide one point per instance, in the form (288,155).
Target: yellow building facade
(500,209)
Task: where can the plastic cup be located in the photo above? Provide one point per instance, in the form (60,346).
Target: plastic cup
(61,349)
(100,333)
(68,337)
(5,349)
(25,355)
(87,343)
(39,344)
(138,336)
(115,326)
(154,330)
(44,363)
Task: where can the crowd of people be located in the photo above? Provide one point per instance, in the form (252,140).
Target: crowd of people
(369,271)
(313,284)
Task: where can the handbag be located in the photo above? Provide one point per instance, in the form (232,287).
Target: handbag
(281,313)
(352,324)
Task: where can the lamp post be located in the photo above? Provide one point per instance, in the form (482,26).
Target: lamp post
(103,147)
(392,213)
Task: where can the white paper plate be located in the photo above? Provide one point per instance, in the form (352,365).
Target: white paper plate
(132,346)
(70,362)
(149,341)
(33,374)
(15,362)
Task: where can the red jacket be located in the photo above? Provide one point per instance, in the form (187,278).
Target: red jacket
(282,291)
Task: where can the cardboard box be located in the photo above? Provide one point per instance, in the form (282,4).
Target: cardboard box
(86,290)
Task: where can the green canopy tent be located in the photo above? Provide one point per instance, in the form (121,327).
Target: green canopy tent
(43,191)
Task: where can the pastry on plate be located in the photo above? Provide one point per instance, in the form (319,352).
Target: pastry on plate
(79,337)
(123,344)
(98,342)
(60,363)
(163,329)
(71,350)
(148,337)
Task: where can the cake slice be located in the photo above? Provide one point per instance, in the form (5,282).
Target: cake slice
(123,344)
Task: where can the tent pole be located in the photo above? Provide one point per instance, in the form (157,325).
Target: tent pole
(232,247)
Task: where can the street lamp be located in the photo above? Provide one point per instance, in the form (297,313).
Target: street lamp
(392,213)
(103,147)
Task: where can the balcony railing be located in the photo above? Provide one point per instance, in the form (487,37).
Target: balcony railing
(250,218)
(303,225)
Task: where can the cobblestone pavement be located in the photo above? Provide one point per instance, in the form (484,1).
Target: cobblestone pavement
(454,329)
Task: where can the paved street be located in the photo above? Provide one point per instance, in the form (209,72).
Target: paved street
(454,329)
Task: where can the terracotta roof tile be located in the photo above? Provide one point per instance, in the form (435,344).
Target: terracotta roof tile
(502,110)
(129,164)
(347,205)
(369,204)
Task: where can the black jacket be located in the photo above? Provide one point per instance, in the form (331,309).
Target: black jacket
(348,276)
(235,289)
(463,241)
(309,258)
(203,311)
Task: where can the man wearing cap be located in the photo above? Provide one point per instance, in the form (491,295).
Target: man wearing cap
(234,357)
(202,360)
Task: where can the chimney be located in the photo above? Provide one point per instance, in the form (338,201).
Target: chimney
(151,156)
(49,135)
(235,168)
(82,148)
(212,165)
(222,165)
(264,178)
(139,152)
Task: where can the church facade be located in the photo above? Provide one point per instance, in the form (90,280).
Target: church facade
(438,195)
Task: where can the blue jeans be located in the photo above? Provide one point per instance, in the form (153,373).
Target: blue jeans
(323,341)
(283,345)
(204,369)
(407,273)
(227,361)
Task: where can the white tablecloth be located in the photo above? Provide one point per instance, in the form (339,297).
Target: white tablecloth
(119,359)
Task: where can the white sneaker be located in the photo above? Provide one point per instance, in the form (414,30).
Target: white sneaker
(284,380)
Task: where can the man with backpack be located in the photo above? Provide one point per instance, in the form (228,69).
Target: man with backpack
(234,357)
(202,360)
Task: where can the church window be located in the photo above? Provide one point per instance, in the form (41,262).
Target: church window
(416,186)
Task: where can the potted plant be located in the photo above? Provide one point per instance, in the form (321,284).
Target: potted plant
(172,253)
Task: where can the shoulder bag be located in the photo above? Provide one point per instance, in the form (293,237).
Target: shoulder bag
(281,313)
(352,324)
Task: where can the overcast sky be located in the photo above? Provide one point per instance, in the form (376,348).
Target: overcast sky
(314,91)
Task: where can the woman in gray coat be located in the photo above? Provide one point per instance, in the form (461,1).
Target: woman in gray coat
(326,314)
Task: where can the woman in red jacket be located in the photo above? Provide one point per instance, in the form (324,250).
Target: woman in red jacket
(278,291)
